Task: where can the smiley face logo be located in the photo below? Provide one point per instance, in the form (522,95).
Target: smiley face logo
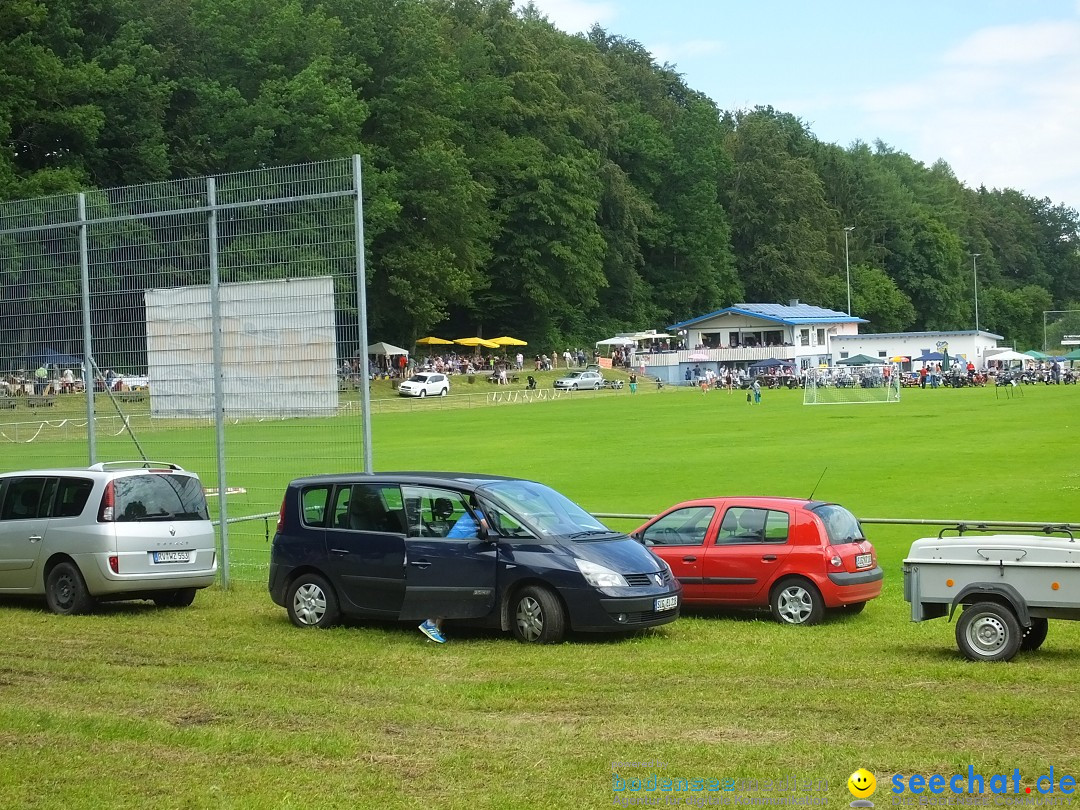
(862,784)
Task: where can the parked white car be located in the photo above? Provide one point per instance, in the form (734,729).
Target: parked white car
(579,380)
(426,383)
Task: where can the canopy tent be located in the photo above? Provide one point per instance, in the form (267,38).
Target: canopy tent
(434,341)
(771,363)
(48,356)
(1037,355)
(506,340)
(476,342)
(386,348)
(900,358)
(1007,356)
(930,357)
(862,360)
(1073,355)
(616,341)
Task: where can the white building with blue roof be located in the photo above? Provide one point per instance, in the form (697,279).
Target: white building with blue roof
(800,336)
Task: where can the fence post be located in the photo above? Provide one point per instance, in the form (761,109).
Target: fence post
(219,393)
(88,356)
(361,312)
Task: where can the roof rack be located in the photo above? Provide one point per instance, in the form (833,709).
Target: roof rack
(134,465)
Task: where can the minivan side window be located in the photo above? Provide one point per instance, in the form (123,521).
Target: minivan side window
(433,512)
(313,501)
(22,498)
(369,508)
(71,496)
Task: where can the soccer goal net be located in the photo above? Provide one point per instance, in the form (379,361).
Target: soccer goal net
(842,385)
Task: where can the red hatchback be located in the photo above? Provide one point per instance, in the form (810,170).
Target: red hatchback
(795,556)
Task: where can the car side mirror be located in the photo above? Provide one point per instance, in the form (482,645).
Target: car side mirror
(483,531)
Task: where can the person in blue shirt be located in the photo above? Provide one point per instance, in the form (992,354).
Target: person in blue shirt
(465,526)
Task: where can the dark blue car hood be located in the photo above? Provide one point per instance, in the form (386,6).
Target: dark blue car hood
(620,554)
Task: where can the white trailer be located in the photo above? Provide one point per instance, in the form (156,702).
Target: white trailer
(1007,585)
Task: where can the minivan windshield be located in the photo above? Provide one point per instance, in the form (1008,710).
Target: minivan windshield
(545,511)
(841,526)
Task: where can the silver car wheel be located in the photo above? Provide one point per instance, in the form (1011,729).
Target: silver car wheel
(309,603)
(795,604)
(530,618)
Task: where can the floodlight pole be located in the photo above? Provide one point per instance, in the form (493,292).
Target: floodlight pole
(847,265)
(975,275)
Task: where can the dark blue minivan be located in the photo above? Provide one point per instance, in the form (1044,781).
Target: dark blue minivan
(484,549)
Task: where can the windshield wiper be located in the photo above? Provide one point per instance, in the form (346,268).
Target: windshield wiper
(591,533)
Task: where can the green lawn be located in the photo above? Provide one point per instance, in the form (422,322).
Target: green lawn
(225,704)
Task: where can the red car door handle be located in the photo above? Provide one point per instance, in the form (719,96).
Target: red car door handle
(689,559)
(768,557)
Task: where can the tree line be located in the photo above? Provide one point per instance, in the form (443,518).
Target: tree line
(518,179)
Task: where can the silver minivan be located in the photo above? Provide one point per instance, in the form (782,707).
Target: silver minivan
(111,531)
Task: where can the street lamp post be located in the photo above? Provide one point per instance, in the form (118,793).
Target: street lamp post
(847,265)
(975,275)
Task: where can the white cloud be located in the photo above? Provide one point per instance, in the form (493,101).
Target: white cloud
(1001,110)
(575,15)
(676,52)
(1017,44)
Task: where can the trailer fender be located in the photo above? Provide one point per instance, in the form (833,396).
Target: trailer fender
(993,592)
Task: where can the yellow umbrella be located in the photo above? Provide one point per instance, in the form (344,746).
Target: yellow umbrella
(477,341)
(509,341)
(433,341)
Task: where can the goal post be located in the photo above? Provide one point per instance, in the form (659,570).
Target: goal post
(850,385)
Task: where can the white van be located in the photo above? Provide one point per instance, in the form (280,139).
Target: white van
(115,530)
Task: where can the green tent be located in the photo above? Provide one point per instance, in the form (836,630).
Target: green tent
(1037,355)
(861,360)
(1073,355)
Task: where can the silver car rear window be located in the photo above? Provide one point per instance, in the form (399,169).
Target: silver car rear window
(159,496)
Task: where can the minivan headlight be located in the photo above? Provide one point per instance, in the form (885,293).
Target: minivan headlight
(598,576)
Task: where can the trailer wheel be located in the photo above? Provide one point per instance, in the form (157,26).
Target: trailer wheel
(987,631)
(1035,635)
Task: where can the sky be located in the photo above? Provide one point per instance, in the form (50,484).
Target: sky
(992,87)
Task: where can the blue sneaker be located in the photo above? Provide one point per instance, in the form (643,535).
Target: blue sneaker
(431,630)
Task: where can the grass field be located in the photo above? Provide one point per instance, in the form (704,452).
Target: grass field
(225,704)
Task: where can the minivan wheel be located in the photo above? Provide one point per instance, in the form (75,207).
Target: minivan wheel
(311,602)
(538,616)
(65,591)
(796,601)
(175,599)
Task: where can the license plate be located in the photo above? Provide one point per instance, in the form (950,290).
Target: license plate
(171,556)
(666,603)
(863,560)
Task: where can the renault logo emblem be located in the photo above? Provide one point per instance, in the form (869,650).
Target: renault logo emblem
(659,579)
(172,531)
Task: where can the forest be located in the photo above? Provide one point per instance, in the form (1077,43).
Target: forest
(520,180)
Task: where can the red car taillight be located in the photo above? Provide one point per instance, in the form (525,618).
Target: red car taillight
(114,563)
(108,502)
(834,558)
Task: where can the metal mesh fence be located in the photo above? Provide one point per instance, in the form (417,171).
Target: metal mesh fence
(210,322)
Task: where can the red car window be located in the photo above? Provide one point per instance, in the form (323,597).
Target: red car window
(744,524)
(682,527)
